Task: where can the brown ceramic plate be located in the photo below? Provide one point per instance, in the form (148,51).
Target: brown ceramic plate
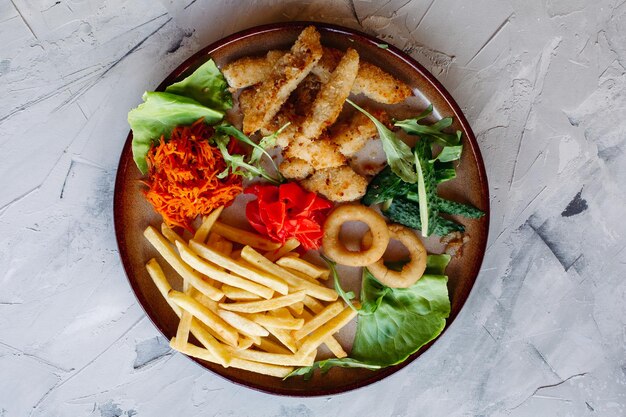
(133,214)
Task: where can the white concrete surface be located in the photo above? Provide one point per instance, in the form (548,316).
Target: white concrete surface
(543,84)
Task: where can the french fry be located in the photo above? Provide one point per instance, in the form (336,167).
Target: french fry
(331,343)
(247,342)
(184,325)
(206,316)
(219,275)
(159,279)
(170,235)
(284,337)
(261,368)
(244,237)
(312,304)
(263,278)
(167,252)
(297,308)
(288,323)
(225,247)
(270,346)
(311,342)
(264,305)
(242,324)
(303,276)
(303,266)
(204,229)
(238,294)
(275,358)
(259,261)
(208,341)
(286,248)
(318,320)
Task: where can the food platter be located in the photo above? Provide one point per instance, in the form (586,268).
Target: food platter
(132,213)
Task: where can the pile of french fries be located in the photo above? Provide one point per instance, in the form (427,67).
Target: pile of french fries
(251,303)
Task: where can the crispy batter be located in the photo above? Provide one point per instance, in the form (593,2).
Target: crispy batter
(371,81)
(320,153)
(337,184)
(351,135)
(295,168)
(245,100)
(285,76)
(247,71)
(379,85)
(331,97)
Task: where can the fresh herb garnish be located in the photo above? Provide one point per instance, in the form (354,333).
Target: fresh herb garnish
(236,164)
(346,296)
(399,155)
(267,142)
(382,45)
(417,204)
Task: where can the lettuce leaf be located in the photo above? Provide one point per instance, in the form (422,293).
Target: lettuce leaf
(405,319)
(203,94)
(207,86)
(158,115)
(394,323)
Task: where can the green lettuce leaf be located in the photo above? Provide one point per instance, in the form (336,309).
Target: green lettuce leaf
(158,115)
(406,318)
(394,323)
(207,86)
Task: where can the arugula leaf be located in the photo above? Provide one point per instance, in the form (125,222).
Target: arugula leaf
(449,153)
(229,130)
(325,365)
(433,131)
(158,115)
(207,86)
(347,296)
(406,318)
(237,165)
(399,155)
(421,192)
(267,142)
(382,45)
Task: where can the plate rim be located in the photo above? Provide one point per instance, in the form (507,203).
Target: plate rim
(363,38)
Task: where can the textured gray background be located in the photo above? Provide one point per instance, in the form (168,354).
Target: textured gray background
(541,82)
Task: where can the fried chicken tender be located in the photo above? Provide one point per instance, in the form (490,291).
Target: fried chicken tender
(284,77)
(379,85)
(337,184)
(331,97)
(295,168)
(371,81)
(351,135)
(320,153)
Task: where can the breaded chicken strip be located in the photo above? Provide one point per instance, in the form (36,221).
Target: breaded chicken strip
(379,85)
(331,97)
(337,184)
(295,168)
(371,81)
(350,136)
(320,153)
(284,77)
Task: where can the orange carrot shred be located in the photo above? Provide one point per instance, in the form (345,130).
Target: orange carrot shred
(182,176)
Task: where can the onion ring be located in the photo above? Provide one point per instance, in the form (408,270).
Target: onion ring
(337,251)
(412,271)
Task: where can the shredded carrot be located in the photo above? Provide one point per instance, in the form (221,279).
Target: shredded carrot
(182,176)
